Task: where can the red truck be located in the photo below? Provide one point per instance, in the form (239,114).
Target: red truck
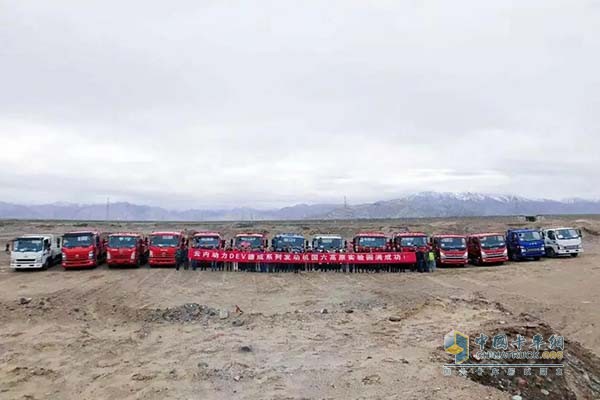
(249,241)
(126,249)
(450,249)
(370,242)
(163,248)
(487,248)
(83,249)
(411,241)
(207,240)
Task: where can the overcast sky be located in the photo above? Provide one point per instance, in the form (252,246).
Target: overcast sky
(226,103)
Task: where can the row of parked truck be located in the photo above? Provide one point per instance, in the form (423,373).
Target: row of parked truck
(83,249)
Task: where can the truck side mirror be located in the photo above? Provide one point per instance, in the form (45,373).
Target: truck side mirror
(231,243)
(579,232)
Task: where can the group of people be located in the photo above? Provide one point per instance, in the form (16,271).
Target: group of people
(425,263)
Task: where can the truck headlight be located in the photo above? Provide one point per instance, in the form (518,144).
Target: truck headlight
(151,253)
(64,256)
(483,254)
(91,255)
(523,250)
(108,255)
(442,255)
(505,252)
(466,255)
(133,255)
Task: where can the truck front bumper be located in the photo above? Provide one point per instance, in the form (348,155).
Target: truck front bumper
(34,265)
(452,261)
(564,252)
(156,261)
(79,264)
(494,260)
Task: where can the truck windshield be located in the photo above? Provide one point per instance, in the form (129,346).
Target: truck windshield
(530,236)
(291,242)
(372,241)
(490,242)
(122,242)
(72,241)
(206,241)
(566,234)
(164,240)
(327,243)
(28,245)
(417,241)
(251,242)
(453,243)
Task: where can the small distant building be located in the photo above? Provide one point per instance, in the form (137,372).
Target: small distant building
(530,218)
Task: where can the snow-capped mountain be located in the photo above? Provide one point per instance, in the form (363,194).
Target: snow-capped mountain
(418,205)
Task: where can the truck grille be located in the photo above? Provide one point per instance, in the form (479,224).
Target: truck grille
(573,247)
(25,261)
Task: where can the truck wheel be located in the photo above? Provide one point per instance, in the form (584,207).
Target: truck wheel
(551,253)
(574,255)
(536,258)
(45,266)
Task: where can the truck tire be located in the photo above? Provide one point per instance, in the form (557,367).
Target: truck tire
(45,266)
(574,255)
(550,252)
(536,258)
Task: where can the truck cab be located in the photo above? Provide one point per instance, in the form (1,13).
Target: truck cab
(163,247)
(328,244)
(562,242)
(288,242)
(126,249)
(370,242)
(35,252)
(207,240)
(249,242)
(450,249)
(487,248)
(410,241)
(83,249)
(525,244)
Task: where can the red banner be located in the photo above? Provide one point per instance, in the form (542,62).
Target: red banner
(294,258)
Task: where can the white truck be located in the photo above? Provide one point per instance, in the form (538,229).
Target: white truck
(562,242)
(35,251)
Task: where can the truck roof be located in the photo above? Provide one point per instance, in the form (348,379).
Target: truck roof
(294,235)
(523,230)
(556,229)
(200,234)
(410,234)
(125,234)
(327,237)
(250,234)
(449,235)
(167,233)
(81,233)
(31,235)
(486,234)
(370,234)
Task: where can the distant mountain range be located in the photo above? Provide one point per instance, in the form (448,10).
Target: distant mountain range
(420,205)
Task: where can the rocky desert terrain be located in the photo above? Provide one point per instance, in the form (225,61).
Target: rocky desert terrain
(165,334)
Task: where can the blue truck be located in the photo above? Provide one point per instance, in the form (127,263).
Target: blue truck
(524,244)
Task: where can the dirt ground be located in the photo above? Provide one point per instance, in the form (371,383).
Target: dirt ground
(162,334)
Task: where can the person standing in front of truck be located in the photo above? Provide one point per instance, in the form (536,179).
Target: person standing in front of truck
(431,260)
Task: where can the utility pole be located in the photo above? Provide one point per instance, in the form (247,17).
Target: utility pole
(345,203)
(107,208)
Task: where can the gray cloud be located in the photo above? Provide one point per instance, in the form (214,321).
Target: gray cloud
(272,103)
